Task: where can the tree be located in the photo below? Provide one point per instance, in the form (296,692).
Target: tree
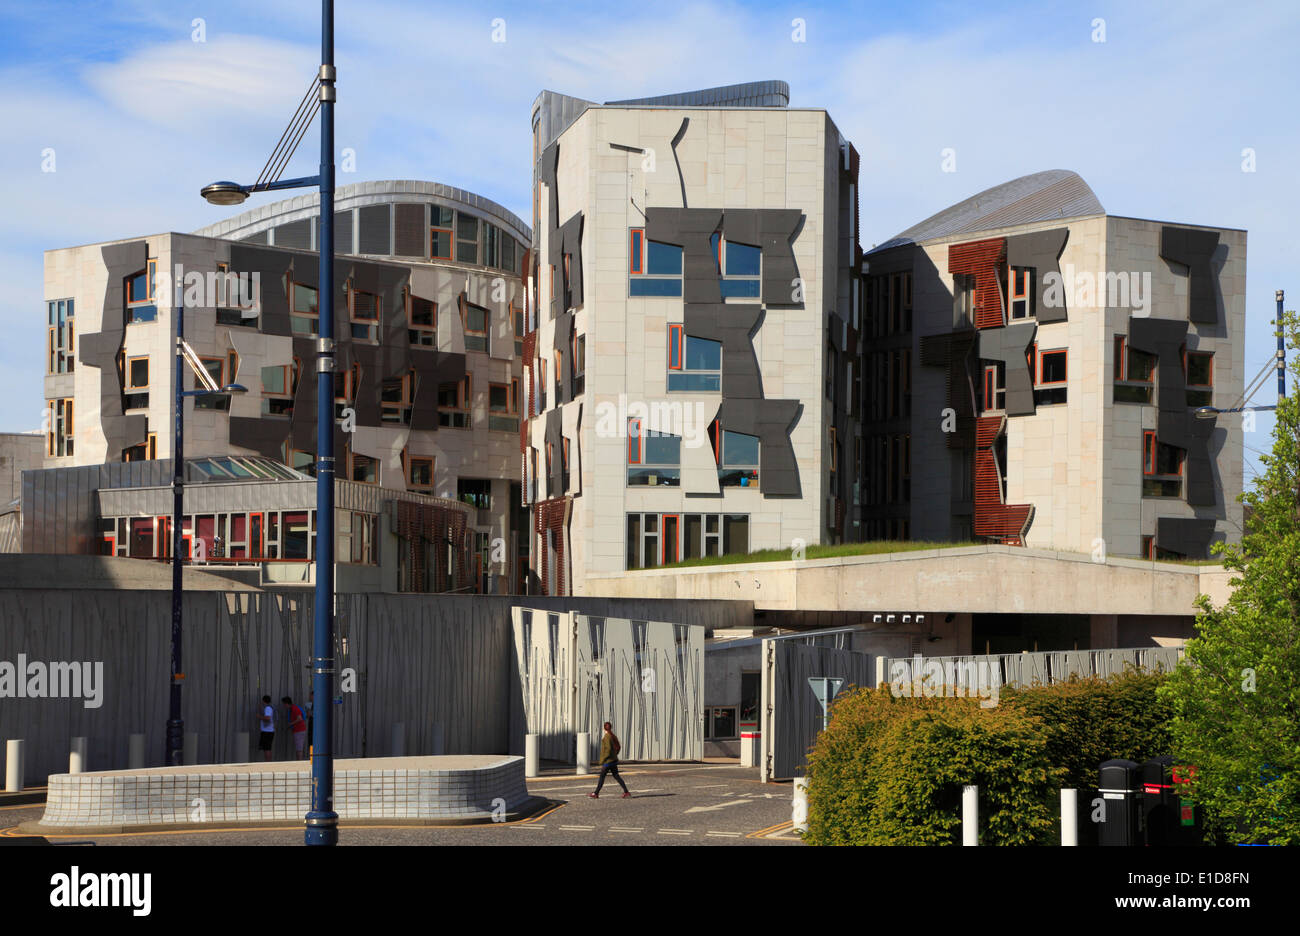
(1237,703)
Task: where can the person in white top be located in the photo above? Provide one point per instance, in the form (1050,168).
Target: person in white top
(267,718)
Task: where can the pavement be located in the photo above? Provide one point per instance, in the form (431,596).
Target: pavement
(671,804)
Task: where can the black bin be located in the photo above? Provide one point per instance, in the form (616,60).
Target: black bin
(1119,790)
(1168,813)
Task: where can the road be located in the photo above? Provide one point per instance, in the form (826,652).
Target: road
(671,804)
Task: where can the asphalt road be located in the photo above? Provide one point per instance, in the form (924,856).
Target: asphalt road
(671,804)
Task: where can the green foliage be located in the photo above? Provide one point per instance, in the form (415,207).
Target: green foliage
(1237,706)
(890,772)
(1087,721)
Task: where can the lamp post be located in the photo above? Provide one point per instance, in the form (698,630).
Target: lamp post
(1278,363)
(321,821)
(174,754)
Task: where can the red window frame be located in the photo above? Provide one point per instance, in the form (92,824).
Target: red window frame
(990,385)
(663,538)
(676,338)
(1148,452)
(1031,358)
(634,441)
(636,251)
(254,544)
(1041,356)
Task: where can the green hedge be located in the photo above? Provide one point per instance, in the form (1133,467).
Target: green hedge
(889,771)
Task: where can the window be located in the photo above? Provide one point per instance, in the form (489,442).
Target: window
(296,534)
(236,298)
(145,451)
(279,384)
(140,301)
(694,364)
(1162,468)
(345,389)
(395,399)
(363,308)
(466,238)
(422,322)
(541,385)
(564,461)
(517,316)
(509,254)
(304,309)
(1134,373)
(476,328)
(738,267)
(655,268)
(440,232)
(454,403)
(577,364)
(491,245)
(995,387)
(60,437)
(420,472)
(137,384)
(656,539)
(963,308)
(653,458)
(1020,292)
(737,459)
(1051,384)
(1199,366)
(364,469)
(502,403)
(216,368)
(61,352)
(477,492)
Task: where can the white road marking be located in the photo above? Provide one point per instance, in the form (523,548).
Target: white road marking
(726,834)
(618,829)
(739,802)
(676,831)
(578,828)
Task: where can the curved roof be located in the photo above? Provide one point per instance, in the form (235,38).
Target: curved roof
(263,217)
(749,94)
(1043,196)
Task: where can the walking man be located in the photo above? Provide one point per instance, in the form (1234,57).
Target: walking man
(609,748)
(265,742)
(298,725)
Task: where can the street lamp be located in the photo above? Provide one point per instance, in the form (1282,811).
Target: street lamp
(322,820)
(1278,364)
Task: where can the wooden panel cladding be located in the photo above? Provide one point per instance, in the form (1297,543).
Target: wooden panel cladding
(428,528)
(550,516)
(984,260)
(1006,523)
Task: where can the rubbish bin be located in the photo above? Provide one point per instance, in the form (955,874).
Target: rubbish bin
(1168,815)
(1118,786)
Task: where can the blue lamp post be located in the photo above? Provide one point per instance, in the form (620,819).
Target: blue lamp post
(321,821)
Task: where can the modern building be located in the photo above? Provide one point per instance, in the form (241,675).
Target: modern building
(690,352)
(1033,368)
(428,319)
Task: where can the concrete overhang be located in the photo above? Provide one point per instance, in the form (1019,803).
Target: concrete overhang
(975,579)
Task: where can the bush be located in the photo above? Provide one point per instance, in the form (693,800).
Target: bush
(889,770)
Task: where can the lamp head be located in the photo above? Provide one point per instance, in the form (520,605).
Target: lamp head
(224,193)
(234,388)
(1206,412)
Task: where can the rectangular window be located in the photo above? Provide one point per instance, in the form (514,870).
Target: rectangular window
(1134,373)
(739,266)
(1051,385)
(502,415)
(738,460)
(137,383)
(216,368)
(454,403)
(1200,378)
(296,535)
(395,400)
(1162,468)
(59,440)
(699,362)
(656,268)
(422,322)
(304,309)
(476,328)
(364,470)
(963,307)
(420,472)
(279,384)
(995,388)
(658,461)
(236,299)
(61,351)
(578,362)
(1020,292)
(634,441)
(466,238)
(363,308)
(140,300)
(440,233)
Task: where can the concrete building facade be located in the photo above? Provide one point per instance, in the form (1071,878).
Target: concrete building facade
(691,338)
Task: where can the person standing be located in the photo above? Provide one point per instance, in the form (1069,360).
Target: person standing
(298,725)
(609,748)
(266,741)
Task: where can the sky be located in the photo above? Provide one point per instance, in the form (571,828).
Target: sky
(134,105)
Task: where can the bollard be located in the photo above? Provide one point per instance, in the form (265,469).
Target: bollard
(399,740)
(14,766)
(530,756)
(584,753)
(799,807)
(970,815)
(77,756)
(1070,817)
(135,752)
(241,747)
(190,753)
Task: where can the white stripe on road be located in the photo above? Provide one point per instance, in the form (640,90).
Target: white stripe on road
(578,828)
(726,834)
(617,829)
(676,831)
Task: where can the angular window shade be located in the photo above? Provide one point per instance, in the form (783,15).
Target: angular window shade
(374,230)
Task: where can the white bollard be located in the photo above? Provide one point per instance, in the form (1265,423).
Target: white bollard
(584,753)
(799,808)
(399,740)
(970,815)
(241,747)
(530,755)
(190,754)
(14,765)
(1070,817)
(135,752)
(77,756)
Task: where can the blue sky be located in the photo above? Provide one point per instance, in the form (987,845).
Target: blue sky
(139,115)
